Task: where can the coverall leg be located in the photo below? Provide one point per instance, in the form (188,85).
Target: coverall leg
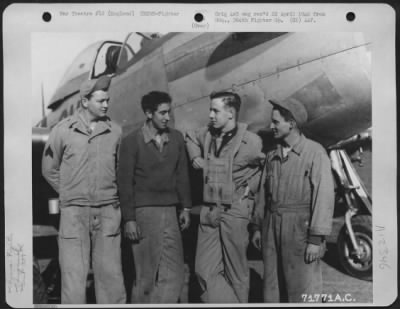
(106,254)
(158,257)
(235,240)
(74,253)
(286,275)
(270,252)
(170,277)
(302,279)
(209,264)
(221,260)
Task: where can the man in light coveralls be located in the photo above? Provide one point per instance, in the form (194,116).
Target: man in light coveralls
(297,193)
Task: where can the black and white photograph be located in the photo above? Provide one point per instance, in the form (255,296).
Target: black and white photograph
(218,166)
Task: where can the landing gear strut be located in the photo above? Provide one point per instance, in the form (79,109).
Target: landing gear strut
(355,238)
(358,263)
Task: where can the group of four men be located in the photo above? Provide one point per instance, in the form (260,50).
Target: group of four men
(287,195)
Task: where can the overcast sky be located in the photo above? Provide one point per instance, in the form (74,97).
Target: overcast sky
(52,53)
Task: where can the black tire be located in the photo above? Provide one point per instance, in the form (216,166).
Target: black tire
(359,267)
(39,287)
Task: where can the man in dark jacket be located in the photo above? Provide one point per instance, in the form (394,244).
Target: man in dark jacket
(80,162)
(154,182)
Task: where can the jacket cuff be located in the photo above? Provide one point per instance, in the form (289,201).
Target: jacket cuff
(128,214)
(315,239)
(254,227)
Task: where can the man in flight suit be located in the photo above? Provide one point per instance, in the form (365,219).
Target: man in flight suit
(297,192)
(80,162)
(231,159)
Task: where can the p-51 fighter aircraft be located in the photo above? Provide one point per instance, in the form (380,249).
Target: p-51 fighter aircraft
(327,74)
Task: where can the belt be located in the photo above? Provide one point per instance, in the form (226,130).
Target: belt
(113,204)
(211,206)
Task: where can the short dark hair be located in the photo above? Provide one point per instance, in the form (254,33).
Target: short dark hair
(153,99)
(230,99)
(286,114)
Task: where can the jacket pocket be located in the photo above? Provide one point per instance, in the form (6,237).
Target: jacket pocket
(243,208)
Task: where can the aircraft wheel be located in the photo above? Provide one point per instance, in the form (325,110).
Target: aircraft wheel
(39,287)
(357,266)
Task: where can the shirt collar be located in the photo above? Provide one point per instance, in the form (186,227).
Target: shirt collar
(299,146)
(217,133)
(296,148)
(230,133)
(78,121)
(149,133)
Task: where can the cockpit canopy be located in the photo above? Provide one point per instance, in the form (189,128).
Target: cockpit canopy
(100,58)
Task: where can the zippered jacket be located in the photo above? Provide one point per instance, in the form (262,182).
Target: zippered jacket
(81,165)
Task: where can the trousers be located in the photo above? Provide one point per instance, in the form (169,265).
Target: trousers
(286,275)
(158,256)
(221,262)
(91,232)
